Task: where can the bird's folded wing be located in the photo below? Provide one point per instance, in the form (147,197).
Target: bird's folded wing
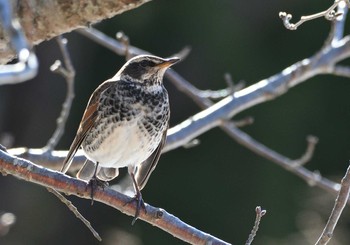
(145,169)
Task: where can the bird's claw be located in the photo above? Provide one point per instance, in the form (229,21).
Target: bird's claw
(93,184)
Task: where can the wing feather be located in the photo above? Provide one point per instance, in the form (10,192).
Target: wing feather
(145,169)
(89,119)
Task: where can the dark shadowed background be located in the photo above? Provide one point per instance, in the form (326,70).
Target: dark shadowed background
(216,185)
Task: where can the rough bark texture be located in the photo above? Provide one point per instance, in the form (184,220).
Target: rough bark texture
(44,19)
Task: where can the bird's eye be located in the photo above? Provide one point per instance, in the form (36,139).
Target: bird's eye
(144,63)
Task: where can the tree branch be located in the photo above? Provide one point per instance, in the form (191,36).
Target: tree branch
(328,14)
(75,211)
(215,115)
(339,205)
(68,73)
(43,20)
(28,171)
(259,214)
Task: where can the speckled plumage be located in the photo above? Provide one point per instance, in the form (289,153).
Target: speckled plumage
(125,123)
(127,111)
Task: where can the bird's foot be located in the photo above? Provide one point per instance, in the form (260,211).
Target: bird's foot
(93,184)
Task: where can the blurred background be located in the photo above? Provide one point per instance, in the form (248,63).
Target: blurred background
(216,185)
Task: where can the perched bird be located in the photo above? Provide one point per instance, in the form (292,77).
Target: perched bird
(125,124)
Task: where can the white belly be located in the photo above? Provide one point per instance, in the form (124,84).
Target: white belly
(128,144)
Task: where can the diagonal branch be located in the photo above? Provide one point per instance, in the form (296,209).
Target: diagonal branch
(75,211)
(339,205)
(28,171)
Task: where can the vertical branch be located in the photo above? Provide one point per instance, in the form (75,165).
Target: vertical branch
(339,23)
(259,214)
(68,73)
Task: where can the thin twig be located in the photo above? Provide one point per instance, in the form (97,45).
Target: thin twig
(312,178)
(124,39)
(259,214)
(68,73)
(329,14)
(342,71)
(72,208)
(339,205)
(243,122)
(309,152)
(192,143)
(222,93)
(183,53)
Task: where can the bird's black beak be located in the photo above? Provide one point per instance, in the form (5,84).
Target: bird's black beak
(168,62)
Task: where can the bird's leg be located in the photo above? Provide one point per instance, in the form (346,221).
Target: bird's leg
(138,198)
(94,182)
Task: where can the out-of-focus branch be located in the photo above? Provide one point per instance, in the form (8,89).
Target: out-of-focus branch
(43,20)
(340,202)
(68,73)
(342,71)
(7,220)
(27,65)
(28,171)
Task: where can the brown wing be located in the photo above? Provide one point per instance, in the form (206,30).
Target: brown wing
(145,169)
(88,120)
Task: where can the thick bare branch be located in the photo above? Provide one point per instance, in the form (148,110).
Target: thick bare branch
(43,20)
(28,171)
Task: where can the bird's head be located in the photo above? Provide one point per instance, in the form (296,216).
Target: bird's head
(146,68)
